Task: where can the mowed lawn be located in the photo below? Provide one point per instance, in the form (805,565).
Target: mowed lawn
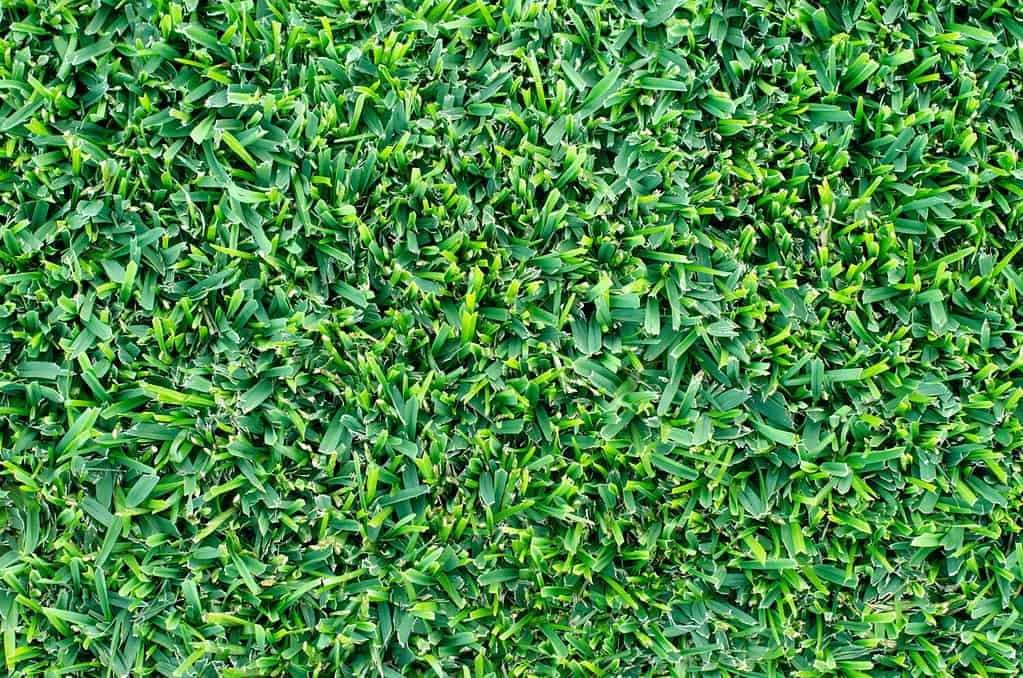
(583,338)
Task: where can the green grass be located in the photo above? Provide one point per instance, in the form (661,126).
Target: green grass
(618,338)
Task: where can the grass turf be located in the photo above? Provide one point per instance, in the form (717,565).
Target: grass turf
(615,338)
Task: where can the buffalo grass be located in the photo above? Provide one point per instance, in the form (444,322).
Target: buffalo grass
(470,339)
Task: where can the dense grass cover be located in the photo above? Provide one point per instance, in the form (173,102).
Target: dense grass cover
(618,338)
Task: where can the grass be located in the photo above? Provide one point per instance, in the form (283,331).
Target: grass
(599,338)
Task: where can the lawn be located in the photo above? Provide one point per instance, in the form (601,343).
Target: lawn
(586,338)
